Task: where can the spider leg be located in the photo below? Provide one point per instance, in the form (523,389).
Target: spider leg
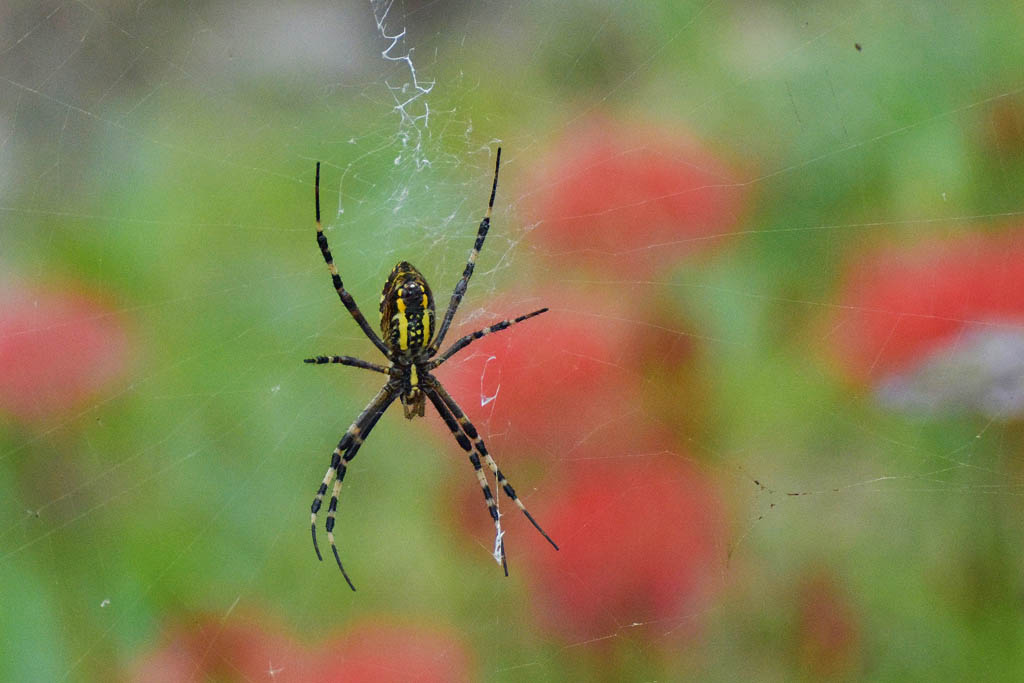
(332,509)
(469,338)
(346,298)
(318,500)
(463,440)
(467,428)
(478,444)
(346,449)
(460,288)
(349,360)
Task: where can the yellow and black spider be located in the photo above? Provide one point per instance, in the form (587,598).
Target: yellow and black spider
(410,345)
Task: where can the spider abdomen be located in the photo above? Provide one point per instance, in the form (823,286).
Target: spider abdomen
(406,311)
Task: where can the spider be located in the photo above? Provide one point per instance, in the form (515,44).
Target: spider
(409,343)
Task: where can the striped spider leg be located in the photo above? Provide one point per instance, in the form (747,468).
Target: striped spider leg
(469,439)
(342,455)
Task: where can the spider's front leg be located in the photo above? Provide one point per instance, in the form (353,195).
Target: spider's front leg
(474,458)
(468,438)
(346,449)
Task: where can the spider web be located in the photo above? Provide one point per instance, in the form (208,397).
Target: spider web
(160,157)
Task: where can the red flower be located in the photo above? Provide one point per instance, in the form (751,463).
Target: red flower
(586,378)
(632,199)
(380,652)
(642,540)
(827,630)
(235,650)
(542,386)
(241,650)
(937,323)
(58,349)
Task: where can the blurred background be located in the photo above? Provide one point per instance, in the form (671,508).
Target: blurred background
(773,417)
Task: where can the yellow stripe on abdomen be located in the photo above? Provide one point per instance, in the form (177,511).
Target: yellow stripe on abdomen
(403,326)
(426,322)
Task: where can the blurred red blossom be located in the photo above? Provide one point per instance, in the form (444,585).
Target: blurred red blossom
(630,199)
(542,385)
(937,323)
(642,539)
(58,349)
(382,652)
(828,632)
(248,650)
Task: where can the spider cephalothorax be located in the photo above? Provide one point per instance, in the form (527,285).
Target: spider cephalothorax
(411,345)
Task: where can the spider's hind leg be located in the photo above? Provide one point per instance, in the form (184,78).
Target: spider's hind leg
(463,284)
(339,287)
